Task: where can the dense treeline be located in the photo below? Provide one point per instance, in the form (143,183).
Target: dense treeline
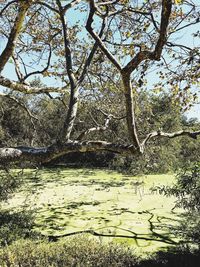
(35,120)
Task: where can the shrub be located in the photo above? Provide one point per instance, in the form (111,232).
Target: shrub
(13,225)
(16,225)
(73,251)
(8,183)
(187,191)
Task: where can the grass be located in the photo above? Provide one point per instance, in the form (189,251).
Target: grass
(107,204)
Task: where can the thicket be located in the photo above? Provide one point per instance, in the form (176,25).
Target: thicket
(16,127)
(8,183)
(76,251)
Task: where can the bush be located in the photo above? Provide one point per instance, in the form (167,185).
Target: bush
(16,225)
(13,225)
(187,191)
(74,251)
(84,251)
(8,183)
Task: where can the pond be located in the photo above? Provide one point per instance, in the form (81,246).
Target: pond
(104,203)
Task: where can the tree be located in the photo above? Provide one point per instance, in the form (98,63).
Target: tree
(115,42)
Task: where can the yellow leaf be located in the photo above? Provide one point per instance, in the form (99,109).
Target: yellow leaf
(178,2)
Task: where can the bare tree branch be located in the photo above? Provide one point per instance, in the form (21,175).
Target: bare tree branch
(91,55)
(6,6)
(106,3)
(97,38)
(130,109)
(169,135)
(134,63)
(70,5)
(20,104)
(97,128)
(26,89)
(74,90)
(165,15)
(40,71)
(17,68)
(47,5)
(111,115)
(156,54)
(47,154)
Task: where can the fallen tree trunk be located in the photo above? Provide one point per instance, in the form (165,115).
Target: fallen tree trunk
(46,154)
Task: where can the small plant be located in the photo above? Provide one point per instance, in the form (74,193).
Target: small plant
(16,225)
(9,182)
(13,224)
(186,189)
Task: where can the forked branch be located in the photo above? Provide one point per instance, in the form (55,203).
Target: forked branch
(157,134)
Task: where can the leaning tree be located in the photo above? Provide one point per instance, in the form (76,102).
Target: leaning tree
(87,50)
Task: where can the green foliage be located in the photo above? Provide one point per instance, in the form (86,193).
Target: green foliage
(16,225)
(190,228)
(163,155)
(82,251)
(8,183)
(13,225)
(76,251)
(153,113)
(187,191)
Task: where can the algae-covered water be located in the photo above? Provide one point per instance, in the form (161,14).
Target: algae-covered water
(108,204)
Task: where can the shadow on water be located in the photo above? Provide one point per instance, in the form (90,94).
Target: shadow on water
(176,254)
(158,230)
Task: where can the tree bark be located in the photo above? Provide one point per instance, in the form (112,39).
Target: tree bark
(130,112)
(14,34)
(47,154)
